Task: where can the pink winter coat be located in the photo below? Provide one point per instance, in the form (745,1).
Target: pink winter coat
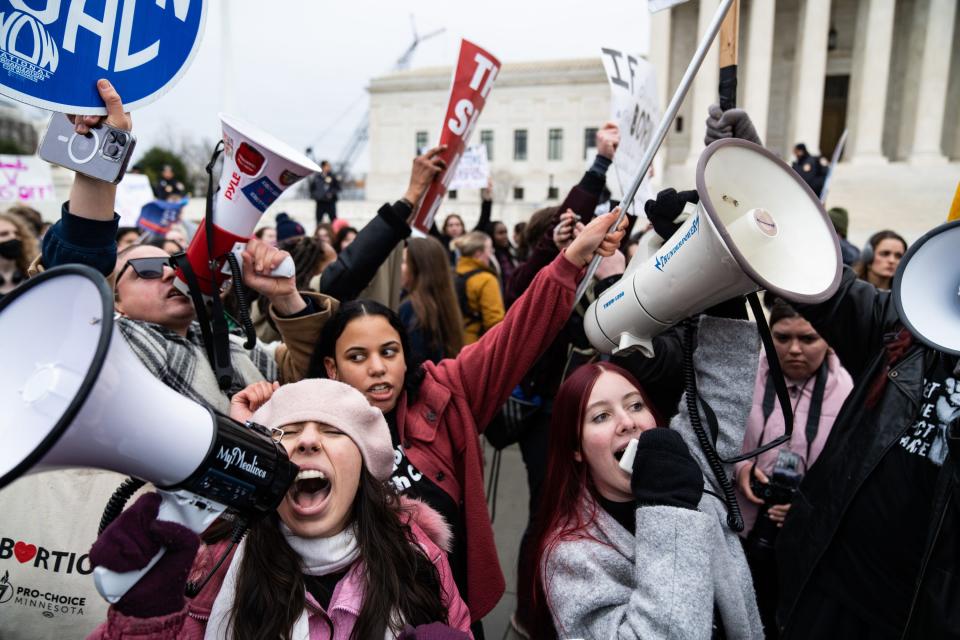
(839,384)
(428,528)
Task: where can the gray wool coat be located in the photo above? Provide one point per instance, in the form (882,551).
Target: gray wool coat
(664,582)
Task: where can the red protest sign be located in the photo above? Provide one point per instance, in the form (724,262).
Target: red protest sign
(472,81)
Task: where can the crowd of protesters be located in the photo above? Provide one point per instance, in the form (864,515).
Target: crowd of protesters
(383,361)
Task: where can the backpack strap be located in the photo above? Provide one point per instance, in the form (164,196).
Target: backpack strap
(460,284)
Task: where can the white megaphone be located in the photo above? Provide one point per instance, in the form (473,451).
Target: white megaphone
(257,168)
(758,226)
(926,288)
(74,395)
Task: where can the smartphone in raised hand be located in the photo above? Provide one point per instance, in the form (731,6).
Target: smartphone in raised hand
(102,154)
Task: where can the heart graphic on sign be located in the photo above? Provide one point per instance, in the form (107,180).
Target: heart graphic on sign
(24,551)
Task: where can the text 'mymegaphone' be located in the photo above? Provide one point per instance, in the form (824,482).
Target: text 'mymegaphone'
(758,226)
(75,395)
(257,168)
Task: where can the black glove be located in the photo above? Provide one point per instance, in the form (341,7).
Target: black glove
(664,210)
(734,309)
(732,123)
(664,472)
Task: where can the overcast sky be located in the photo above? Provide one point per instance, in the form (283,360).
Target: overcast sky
(296,66)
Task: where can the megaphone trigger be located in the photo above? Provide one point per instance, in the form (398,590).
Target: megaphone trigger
(183,507)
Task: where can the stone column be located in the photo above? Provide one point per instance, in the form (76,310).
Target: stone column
(868,81)
(932,95)
(659,57)
(810,67)
(755,94)
(705,90)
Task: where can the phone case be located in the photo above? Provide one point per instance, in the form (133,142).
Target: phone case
(103,154)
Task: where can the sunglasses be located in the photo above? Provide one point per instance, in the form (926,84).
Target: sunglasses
(147,268)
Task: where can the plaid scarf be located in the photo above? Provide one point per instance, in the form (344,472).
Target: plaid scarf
(180,362)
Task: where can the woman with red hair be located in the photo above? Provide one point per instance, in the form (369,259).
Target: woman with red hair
(647,554)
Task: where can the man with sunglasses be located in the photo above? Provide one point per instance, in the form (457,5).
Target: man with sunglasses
(158,321)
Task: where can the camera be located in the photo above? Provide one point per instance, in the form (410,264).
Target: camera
(101,154)
(782,489)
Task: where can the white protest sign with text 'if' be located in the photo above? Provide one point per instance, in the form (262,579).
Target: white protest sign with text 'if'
(25,180)
(473,170)
(633,106)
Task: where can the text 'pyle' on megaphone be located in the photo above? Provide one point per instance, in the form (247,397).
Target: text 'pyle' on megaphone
(758,226)
(926,288)
(77,396)
(257,168)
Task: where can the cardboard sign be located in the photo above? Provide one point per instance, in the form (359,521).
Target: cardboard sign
(634,107)
(473,170)
(25,180)
(472,80)
(52,52)
(133,192)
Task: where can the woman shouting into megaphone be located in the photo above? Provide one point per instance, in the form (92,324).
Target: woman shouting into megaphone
(644,553)
(342,556)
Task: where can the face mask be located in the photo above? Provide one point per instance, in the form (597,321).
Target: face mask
(11,249)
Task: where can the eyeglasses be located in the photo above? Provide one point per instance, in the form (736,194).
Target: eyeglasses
(147,268)
(277,433)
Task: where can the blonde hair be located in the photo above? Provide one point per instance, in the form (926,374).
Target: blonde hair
(470,243)
(28,240)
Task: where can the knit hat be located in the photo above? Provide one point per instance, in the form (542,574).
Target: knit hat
(339,223)
(288,228)
(840,219)
(338,405)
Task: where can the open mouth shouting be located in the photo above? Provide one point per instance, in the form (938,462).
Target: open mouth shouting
(618,454)
(310,492)
(380,392)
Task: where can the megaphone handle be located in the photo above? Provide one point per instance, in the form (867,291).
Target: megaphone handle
(182,507)
(286,269)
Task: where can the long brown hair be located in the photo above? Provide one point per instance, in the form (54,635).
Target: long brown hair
(401,585)
(432,296)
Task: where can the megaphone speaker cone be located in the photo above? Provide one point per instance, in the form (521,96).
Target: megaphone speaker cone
(52,360)
(74,394)
(771,222)
(926,288)
(757,226)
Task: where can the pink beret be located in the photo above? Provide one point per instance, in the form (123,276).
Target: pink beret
(337,405)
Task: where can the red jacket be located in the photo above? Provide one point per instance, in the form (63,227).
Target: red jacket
(458,398)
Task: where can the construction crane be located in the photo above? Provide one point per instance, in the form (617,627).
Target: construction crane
(358,139)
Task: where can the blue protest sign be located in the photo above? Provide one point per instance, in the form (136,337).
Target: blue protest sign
(52,52)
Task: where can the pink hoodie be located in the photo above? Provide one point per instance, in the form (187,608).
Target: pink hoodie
(839,384)
(429,529)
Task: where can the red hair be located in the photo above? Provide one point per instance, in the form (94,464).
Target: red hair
(559,515)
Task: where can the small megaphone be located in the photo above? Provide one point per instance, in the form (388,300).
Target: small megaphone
(257,168)
(926,288)
(77,396)
(758,226)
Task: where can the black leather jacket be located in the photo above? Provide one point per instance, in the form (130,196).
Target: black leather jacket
(854,322)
